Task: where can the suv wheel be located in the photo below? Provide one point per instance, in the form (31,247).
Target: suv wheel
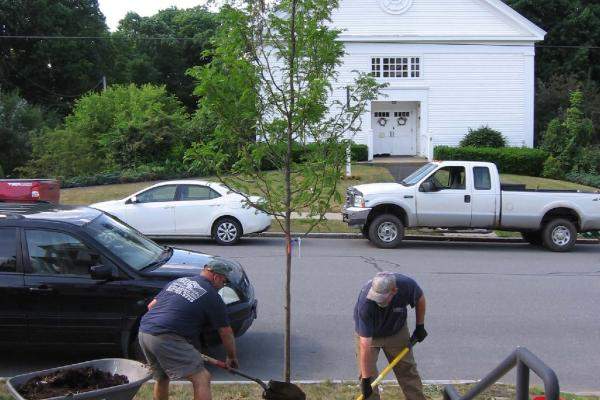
(559,235)
(227,231)
(386,231)
(533,238)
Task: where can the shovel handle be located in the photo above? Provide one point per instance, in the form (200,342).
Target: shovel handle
(391,365)
(222,365)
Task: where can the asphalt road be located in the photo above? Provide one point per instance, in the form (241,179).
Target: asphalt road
(483,301)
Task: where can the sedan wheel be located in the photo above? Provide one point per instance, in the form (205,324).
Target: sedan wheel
(227,231)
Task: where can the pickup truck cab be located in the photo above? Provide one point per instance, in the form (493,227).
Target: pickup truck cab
(463,194)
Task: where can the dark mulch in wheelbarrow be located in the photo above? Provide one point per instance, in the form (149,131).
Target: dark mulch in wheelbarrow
(69,381)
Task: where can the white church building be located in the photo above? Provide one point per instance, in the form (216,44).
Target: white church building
(450,65)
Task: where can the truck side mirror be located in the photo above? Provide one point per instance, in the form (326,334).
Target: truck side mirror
(427,186)
(102,272)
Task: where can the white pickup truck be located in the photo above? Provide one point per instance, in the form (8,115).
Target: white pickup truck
(464,194)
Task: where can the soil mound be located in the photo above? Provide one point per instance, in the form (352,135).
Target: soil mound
(69,381)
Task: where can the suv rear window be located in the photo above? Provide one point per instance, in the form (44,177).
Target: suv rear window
(8,250)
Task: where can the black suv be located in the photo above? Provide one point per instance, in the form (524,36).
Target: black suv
(77,276)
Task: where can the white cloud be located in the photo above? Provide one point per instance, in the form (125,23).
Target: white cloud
(115,10)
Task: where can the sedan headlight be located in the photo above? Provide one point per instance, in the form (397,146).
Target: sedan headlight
(359,201)
(229,295)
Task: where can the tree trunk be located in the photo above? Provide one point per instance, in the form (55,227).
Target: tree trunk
(288,196)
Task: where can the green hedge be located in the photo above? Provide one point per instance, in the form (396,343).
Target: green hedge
(359,152)
(509,160)
(584,179)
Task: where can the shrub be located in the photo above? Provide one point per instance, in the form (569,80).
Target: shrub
(584,179)
(588,160)
(484,136)
(553,169)
(510,160)
(360,152)
(123,127)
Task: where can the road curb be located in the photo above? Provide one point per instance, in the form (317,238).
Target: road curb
(427,238)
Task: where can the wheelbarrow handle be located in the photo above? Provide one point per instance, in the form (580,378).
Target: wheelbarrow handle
(222,365)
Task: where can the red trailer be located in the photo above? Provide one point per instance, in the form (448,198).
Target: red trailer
(29,190)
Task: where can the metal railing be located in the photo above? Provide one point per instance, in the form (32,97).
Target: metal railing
(525,361)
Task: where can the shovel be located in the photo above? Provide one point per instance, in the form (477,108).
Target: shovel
(274,390)
(391,366)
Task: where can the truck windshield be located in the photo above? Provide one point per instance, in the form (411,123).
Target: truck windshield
(125,242)
(419,174)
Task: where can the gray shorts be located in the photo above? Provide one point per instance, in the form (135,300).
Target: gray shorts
(170,356)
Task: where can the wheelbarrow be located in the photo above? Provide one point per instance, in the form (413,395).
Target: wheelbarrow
(136,372)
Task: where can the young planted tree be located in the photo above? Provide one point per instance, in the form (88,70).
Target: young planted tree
(273,73)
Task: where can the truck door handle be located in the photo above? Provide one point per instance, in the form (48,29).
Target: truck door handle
(467,198)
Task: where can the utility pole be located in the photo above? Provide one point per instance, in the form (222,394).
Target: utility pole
(104,83)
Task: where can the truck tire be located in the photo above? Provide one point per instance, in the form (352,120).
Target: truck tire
(533,238)
(559,235)
(386,231)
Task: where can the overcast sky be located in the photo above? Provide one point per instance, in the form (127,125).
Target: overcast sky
(115,10)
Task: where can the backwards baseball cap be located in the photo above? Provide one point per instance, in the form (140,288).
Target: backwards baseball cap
(382,285)
(219,267)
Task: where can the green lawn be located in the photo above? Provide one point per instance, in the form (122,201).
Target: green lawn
(361,174)
(93,194)
(543,183)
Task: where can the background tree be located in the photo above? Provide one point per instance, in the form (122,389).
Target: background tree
(19,122)
(279,60)
(125,127)
(141,58)
(51,72)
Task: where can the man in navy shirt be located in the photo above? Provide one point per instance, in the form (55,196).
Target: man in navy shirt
(380,323)
(175,320)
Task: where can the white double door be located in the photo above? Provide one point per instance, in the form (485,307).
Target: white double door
(394,132)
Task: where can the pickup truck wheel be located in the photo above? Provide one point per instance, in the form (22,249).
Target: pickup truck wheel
(559,235)
(386,231)
(533,238)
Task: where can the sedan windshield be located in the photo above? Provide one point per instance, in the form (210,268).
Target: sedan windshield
(419,174)
(125,242)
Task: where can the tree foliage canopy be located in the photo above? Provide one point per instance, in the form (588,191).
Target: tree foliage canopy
(51,72)
(165,61)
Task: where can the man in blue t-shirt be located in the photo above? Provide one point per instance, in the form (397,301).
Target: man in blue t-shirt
(174,321)
(380,323)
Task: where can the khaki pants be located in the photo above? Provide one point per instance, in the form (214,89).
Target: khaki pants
(405,371)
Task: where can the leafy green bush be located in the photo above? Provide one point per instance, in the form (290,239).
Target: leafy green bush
(588,160)
(360,152)
(510,160)
(553,169)
(121,128)
(483,136)
(141,174)
(565,138)
(584,178)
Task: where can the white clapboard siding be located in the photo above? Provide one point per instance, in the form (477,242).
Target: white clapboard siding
(467,86)
(426,18)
